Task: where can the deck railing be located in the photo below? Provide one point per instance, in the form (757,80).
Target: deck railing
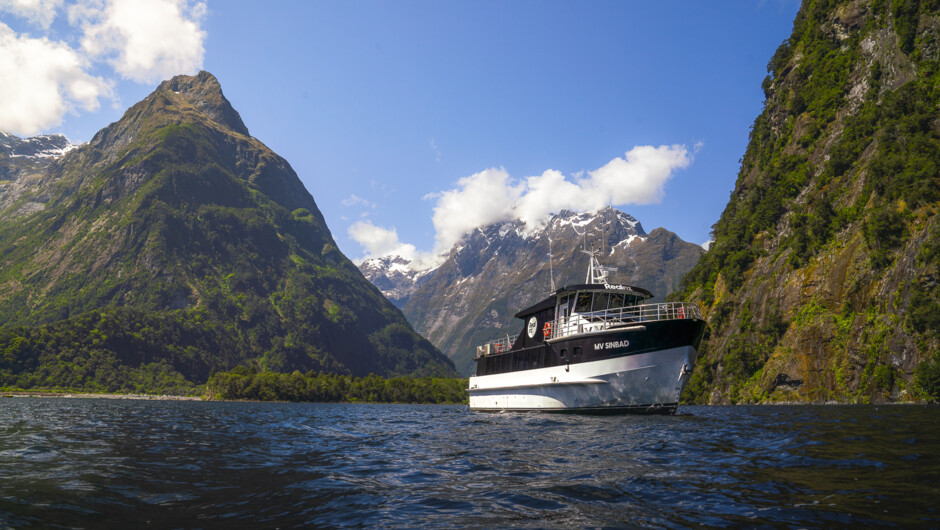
(595,321)
(496,346)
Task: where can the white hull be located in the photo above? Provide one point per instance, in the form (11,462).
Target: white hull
(639,382)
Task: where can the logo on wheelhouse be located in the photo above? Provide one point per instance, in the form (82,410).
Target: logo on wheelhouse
(611,345)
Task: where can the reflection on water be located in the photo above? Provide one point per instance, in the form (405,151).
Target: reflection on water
(99,462)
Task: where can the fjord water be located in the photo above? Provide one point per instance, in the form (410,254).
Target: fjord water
(124,463)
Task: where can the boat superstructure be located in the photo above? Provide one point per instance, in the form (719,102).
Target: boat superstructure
(592,347)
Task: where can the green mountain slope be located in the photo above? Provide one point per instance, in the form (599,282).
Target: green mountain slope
(821,283)
(176,238)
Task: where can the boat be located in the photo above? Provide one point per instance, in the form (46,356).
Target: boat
(595,348)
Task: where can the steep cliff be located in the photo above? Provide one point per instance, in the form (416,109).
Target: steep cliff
(821,283)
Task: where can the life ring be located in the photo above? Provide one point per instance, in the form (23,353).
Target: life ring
(681,311)
(547,329)
(498,347)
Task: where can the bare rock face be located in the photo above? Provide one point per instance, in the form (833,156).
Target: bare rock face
(500,269)
(820,284)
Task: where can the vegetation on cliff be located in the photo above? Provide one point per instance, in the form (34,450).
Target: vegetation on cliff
(821,283)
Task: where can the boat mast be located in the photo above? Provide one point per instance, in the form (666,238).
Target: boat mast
(596,273)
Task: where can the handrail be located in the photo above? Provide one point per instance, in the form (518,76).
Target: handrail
(496,346)
(598,321)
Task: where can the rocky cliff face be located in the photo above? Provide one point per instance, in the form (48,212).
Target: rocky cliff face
(821,284)
(500,269)
(174,225)
(22,163)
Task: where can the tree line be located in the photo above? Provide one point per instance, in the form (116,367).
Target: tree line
(247,383)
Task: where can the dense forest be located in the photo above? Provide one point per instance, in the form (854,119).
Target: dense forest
(245,383)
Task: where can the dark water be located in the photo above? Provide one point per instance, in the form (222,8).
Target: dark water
(125,464)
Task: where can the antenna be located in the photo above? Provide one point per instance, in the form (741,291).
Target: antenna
(551,270)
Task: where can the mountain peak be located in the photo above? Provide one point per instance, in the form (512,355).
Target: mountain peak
(204,92)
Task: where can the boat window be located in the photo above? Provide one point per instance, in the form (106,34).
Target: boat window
(616,301)
(600,301)
(577,351)
(563,306)
(584,303)
(564,352)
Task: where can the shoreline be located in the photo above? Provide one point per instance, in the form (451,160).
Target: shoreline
(148,397)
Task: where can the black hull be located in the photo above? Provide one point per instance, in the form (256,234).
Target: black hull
(633,339)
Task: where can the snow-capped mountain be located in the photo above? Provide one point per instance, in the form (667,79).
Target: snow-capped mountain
(43,146)
(500,269)
(395,277)
(22,166)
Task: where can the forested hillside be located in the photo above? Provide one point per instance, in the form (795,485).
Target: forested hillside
(174,244)
(822,281)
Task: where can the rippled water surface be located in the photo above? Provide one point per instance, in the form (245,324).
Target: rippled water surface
(120,463)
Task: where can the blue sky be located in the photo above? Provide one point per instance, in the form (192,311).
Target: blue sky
(410,121)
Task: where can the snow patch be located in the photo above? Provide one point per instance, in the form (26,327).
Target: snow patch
(399,267)
(627,242)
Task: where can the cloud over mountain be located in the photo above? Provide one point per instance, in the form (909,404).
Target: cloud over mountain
(144,40)
(492,196)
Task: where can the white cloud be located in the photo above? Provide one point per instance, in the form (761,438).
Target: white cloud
(378,241)
(492,196)
(41,80)
(144,40)
(354,199)
(480,199)
(38,12)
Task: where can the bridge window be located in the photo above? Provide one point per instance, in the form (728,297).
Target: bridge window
(584,303)
(600,301)
(616,301)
